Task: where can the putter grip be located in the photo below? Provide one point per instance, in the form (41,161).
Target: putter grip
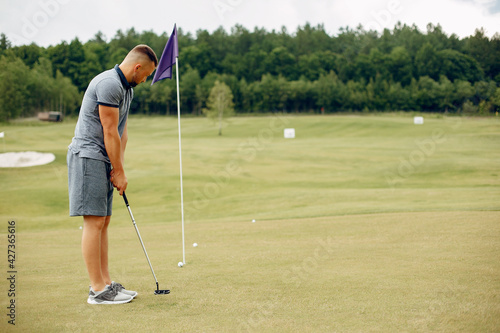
(125,199)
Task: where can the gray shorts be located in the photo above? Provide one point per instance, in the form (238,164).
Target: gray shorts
(89,186)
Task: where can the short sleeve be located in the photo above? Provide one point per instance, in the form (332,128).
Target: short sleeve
(109,93)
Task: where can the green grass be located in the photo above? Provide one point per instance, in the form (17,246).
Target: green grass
(363,224)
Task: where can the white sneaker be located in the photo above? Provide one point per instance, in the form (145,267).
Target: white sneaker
(120,288)
(107,296)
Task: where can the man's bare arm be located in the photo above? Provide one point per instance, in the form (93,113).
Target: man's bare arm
(124,140)
(109,120)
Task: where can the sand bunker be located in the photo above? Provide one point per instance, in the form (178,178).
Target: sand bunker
(25,159)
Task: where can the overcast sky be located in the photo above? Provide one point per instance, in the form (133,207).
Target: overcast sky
(48,22)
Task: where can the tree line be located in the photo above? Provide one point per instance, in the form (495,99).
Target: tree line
(305,71)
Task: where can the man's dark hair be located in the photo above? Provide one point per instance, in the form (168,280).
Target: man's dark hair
(146,50)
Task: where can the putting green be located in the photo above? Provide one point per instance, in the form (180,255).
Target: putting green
(362,223)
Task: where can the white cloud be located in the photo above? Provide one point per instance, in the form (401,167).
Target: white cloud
(51,21)
(459,17)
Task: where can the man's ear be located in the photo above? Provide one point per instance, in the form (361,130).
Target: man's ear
(136,68)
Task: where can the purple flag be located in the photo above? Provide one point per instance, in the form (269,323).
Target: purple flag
(168,58)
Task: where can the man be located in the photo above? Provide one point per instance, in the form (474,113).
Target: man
(95,165)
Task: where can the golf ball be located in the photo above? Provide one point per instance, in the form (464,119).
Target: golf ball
(253,221)
(195,244)
(180,264)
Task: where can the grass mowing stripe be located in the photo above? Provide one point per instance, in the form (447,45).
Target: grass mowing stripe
(335,247)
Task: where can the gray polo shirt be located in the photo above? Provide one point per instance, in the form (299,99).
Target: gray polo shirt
(110,88)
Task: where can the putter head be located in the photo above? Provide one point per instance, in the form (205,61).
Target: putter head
(162,292)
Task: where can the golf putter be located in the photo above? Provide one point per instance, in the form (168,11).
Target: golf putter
(157,291)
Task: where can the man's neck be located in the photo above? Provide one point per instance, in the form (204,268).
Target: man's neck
(127,71)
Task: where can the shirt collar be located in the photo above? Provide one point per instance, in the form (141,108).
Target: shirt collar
(125,83)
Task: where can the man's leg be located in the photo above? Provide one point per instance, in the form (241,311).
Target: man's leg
(104,252)
(92,249)
(95,254)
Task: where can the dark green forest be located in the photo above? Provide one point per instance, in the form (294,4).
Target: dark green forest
(403,69)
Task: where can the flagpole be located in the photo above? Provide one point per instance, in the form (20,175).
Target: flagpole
(180,156)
